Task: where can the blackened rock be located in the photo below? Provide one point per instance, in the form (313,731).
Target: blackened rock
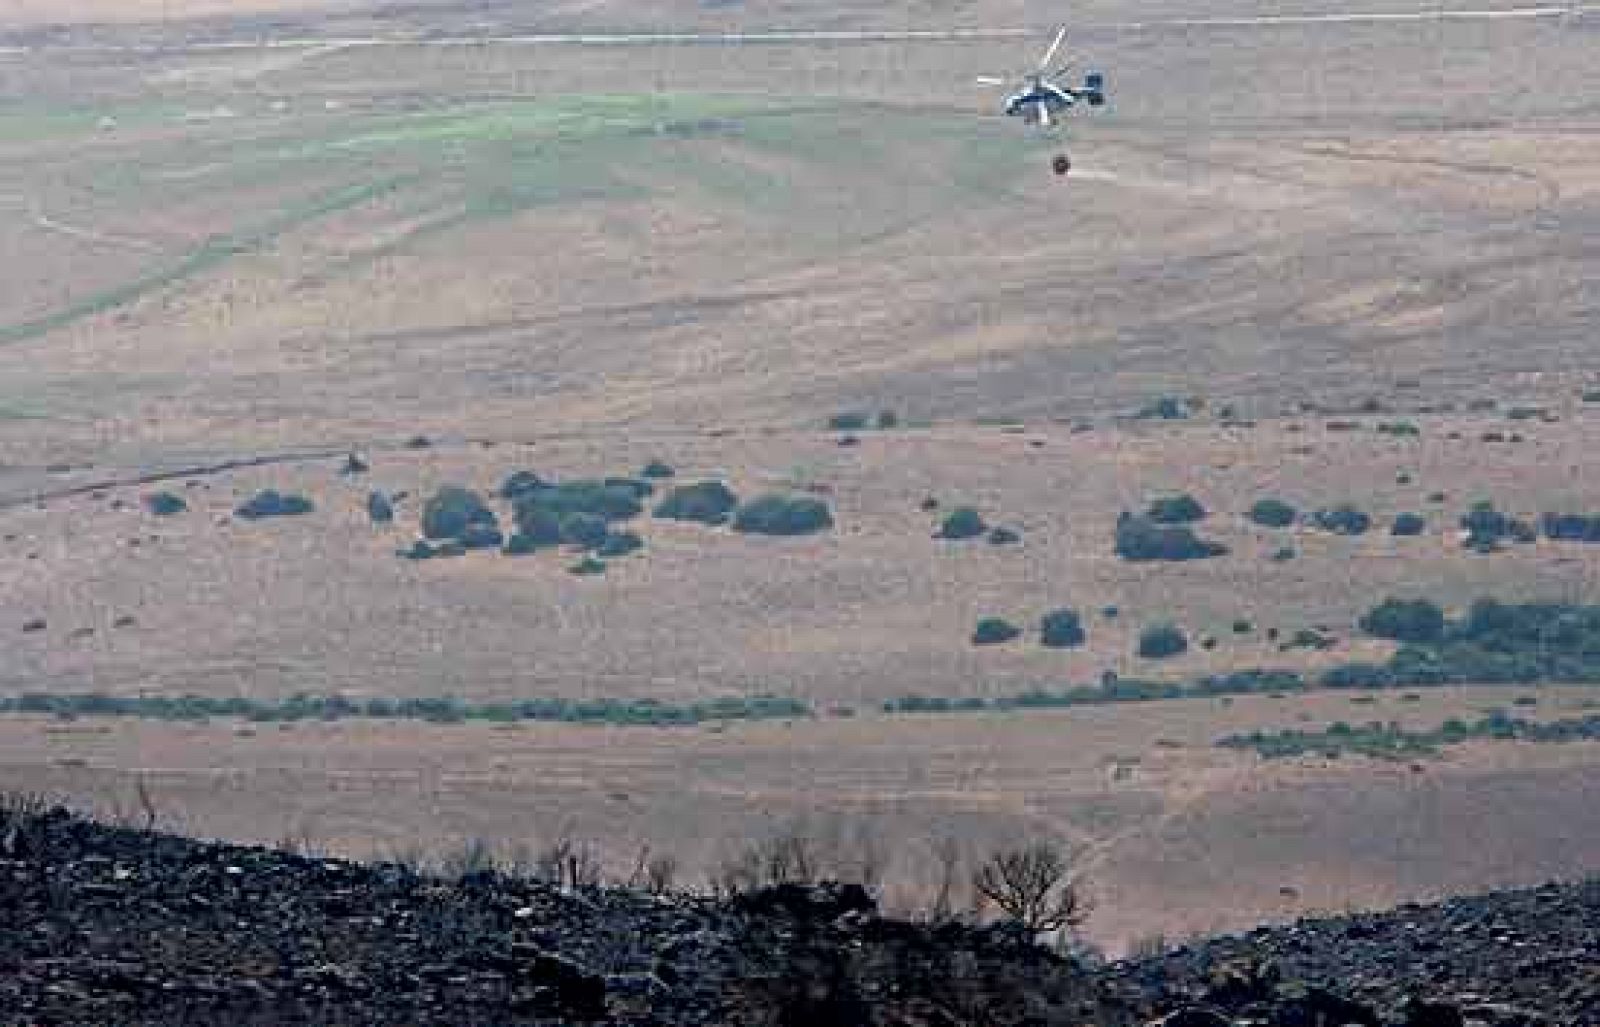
(1433,1014)
(1193,1016)
(812,902)
(572,989)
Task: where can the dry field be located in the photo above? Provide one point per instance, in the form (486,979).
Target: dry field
(576,259)
(1176,836)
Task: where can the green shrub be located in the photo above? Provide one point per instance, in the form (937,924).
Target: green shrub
(1571,527)
(519,484)
(962,523)
(993,631)
(1003,536)
(1242,627)
(379,509)
(1164,408)
(1343,519)
(639,487)
(353,465)
(1408,524)
(587,566)
(1414,620)
(481,536)
(657,469)
(928,505)
(887,420)
(1283,554)
(418,550)
(1591,396)
(1487,527)
(850,420)
(1061,629)
(783,515)
(708,502)
(452,510)
(537,528)
(583,529)
(1161,641)
(165,504)
(1403,429)
(1272,514)
(271,503)
(1140,539)
(1182,509)
(619,543)
(615,499)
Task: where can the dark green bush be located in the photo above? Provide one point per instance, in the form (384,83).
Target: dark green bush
(165,504)
(639,487)
(993,631)
(1161,641)
(619,543)
(1272,513)
(1487,527)
(537,528)
(1242,627)
(418,550)
(1164,408)
(379,509)
(708,502)
(481,536)
(1061,629)
(1404,429)
(783,515)
(850,420)
(583,529)
(1343,519)
(1003,536)
(1140,539)
(657,469)
(1571,527)
(887,420)
(452,511)
(1182,509)
(1283,554)
(1408,524)
(587,566)
(962,523)
(615,499)
(271,503)
(353,465)
(519,484)
(1413,620)
(521,545)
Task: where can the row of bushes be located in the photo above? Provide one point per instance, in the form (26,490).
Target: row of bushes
(1391,741)
(1058,629)
(437,710)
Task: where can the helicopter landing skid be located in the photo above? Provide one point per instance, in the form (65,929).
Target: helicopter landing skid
(1061,164)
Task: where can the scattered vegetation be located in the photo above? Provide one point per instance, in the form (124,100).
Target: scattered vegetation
(588,566)
(379,509)
(458,513)
(1139,538)
(1380,740)
(271,503)
(1408,524)
(1162,641)
(445,710)
(1571,527)
(1181,509)
(783,515)
(708,502)
(993,631)
(1414,620)
(962,523)
(165,504)
(1061,629)
(1487,528)
(1342,520)
(1003,536)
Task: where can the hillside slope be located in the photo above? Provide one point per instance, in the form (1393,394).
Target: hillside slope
(146,928)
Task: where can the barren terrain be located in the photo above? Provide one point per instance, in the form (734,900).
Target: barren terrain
(578,258)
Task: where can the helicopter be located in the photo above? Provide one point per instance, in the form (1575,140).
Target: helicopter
(1042,96)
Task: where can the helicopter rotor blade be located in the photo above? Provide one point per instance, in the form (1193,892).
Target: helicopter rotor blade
(1044,61)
